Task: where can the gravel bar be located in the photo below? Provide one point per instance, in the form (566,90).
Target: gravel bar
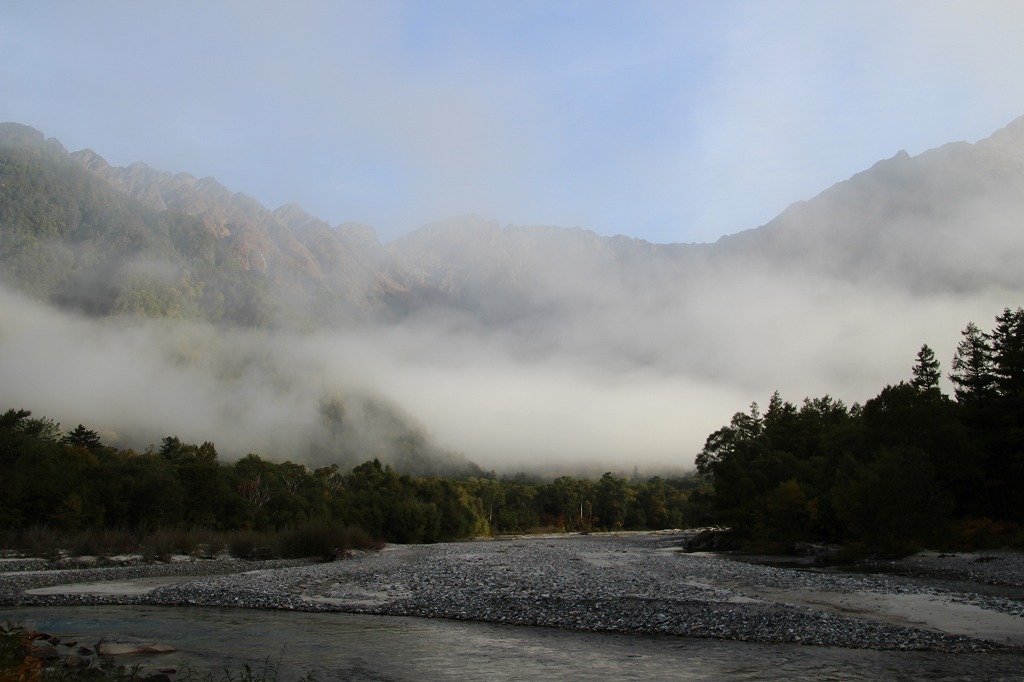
(629,583)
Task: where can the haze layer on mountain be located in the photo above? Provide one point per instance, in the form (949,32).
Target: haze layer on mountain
(146,304)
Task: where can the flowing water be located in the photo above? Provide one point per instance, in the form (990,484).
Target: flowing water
(339,646)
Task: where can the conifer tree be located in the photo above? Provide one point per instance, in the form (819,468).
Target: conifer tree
(926,370)
(972,376)
(1007,342)
(83,438)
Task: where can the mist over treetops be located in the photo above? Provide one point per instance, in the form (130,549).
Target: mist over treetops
(145,303)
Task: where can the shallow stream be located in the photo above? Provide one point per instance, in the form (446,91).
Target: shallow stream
(353,647)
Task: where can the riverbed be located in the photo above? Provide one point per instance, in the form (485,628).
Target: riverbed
(567,607)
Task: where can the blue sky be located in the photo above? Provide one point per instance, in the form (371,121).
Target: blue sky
(668,121)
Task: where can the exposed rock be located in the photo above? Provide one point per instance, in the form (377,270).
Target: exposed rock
(155,677)
(120,647)
(78,661)
(43,650)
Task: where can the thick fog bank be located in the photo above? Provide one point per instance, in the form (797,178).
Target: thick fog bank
(615,387)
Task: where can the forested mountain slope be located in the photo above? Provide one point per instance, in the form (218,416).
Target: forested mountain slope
(84,235)
(943,220)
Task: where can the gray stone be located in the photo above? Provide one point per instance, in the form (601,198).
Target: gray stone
(78,661)
(120,647)
(43,650)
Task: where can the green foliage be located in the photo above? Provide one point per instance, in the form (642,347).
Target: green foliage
(73,493)
(972,367)
(895,474)
(926,370)
(1007,368)
(82,437)
(612,501)
(894,503)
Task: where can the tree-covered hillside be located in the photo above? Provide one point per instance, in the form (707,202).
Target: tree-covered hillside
(80,232)
(68,238)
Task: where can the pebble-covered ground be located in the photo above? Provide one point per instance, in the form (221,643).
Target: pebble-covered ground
(637,583)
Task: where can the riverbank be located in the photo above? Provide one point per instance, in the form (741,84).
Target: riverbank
(630,583)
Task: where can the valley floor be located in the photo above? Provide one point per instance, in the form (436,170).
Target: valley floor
(632,583)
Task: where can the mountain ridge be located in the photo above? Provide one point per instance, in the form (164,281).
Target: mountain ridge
(905,219)
(861,229)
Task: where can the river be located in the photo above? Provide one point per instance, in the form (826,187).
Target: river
(353,647)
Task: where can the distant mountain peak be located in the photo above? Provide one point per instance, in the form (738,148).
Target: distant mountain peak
(14,134)
(91,160)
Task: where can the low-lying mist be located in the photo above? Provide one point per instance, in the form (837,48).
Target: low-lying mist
(623,384)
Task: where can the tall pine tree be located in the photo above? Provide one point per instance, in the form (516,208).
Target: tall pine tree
(926,370)
(972,376)
(1007,341)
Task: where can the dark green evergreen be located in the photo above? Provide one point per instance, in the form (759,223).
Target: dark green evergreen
(972,374)
(909,468)
(83,438)
(926,370)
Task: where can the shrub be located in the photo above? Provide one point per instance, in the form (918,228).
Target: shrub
(160,545)
(42,542)
(103,542)
(203,543)
(248,544)
(323,540)
(15,663)
(982,533)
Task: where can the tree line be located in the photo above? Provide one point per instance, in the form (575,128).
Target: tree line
(910,467)
(70,482)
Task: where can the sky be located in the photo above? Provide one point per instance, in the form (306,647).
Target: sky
(667,121)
